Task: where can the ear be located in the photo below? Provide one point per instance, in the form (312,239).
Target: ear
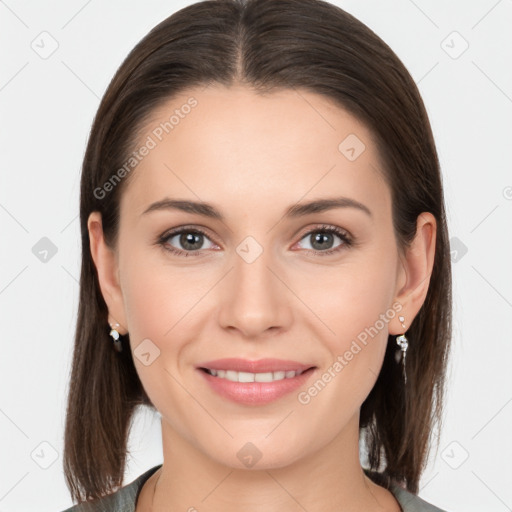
(105,260)
(415,269)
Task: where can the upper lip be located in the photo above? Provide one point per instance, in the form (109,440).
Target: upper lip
(259,366)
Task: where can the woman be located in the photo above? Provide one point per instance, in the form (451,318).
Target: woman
(265,263)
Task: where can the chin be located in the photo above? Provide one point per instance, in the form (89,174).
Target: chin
(253,456)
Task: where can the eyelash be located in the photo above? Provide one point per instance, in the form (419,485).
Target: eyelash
(347,240)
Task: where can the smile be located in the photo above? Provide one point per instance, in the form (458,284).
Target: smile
(235,376)
(247,388)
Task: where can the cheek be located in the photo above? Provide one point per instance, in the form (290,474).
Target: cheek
(350,298)
(156,306)
(162,300)
(145,309)
(354,304)
(356,309)
(147,289)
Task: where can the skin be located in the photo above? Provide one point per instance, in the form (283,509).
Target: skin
(252,157)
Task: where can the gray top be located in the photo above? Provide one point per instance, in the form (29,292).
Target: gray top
(124,499)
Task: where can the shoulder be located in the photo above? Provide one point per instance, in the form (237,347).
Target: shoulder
(408,501)
(123,500)
(411,502)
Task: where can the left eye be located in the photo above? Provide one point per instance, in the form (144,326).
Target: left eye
(322,240)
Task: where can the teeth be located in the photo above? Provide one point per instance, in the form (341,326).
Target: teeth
(253,377)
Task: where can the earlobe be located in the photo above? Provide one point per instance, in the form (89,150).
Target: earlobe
(417,265)
(106,264)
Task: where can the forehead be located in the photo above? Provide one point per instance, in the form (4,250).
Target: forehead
(218,143)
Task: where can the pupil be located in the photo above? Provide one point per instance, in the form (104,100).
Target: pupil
(321,238)
(188,240)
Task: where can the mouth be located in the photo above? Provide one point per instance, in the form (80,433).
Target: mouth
(255,382)
(243,377)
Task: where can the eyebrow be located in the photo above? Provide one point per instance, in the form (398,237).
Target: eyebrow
(294,211)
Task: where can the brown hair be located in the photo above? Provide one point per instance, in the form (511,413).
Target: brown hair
(266,45)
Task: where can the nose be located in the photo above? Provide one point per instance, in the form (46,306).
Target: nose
(255,300)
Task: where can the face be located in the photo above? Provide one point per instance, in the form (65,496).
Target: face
(258,281)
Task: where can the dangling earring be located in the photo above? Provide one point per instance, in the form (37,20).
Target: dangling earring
(403,343)
(115,336)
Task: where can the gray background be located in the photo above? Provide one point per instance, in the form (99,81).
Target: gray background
(47,103)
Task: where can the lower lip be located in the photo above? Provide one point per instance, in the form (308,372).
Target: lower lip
(255,393)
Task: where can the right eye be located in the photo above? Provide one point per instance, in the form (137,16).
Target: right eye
(191,241)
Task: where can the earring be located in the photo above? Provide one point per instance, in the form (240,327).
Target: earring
(115,336)
(403,343)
